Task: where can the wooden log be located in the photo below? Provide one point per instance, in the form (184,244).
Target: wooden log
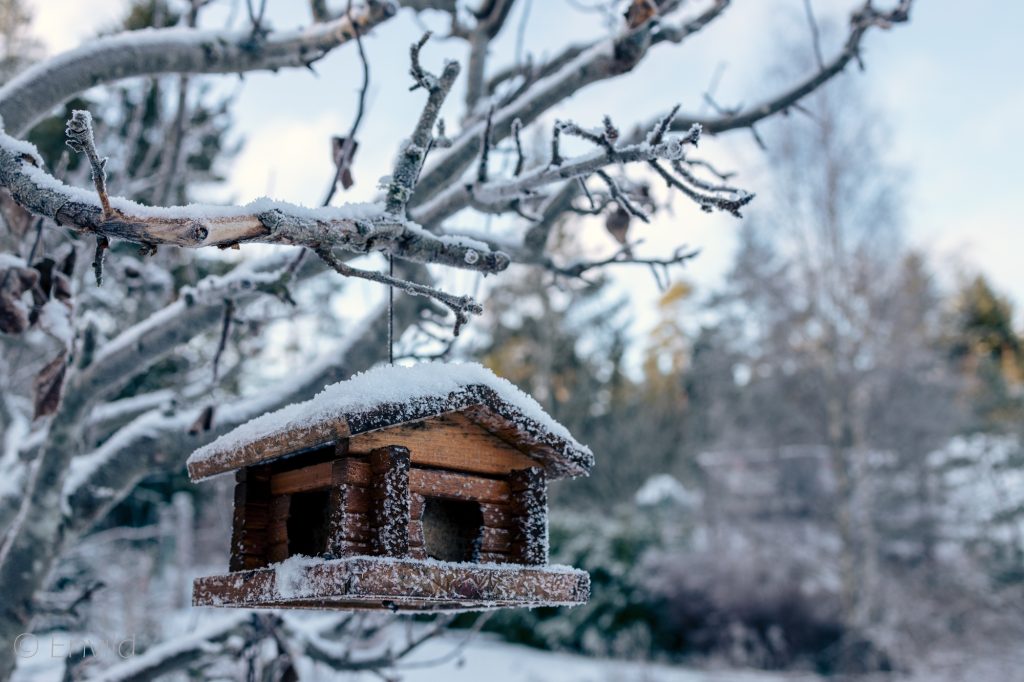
(313,477)
(449,441)
(415,534)
(497,515)
(277,532)
(434,483)
(250,519)
(529,497)
(389,493)
(496,540)
(416,502)
(353,472)
(495,557)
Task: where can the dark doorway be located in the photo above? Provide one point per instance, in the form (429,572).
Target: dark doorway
(307,523)
(452,529)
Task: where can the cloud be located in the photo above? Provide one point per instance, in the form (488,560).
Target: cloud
(64,25)
(286,158)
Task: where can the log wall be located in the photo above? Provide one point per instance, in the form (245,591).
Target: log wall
(375,507)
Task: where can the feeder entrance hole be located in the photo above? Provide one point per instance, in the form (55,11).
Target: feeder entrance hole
(452,529)
(307,523)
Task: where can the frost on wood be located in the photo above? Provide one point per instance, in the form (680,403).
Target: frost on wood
(389,512)
(391,395)
(398,584)
(530,495)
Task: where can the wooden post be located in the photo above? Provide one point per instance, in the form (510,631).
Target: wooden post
(389,503)
(529,503)
(251,521)
(277,530)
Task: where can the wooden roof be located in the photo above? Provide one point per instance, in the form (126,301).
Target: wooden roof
(492,404)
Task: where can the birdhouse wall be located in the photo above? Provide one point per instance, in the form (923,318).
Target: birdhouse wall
(373,504)
(251,520)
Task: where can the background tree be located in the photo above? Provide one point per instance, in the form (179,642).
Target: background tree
(833,327)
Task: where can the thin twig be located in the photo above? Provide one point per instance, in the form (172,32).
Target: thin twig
(815,34)
(517,127)
(80,138)
(102,244)
(225,331)
(485,148)
(461,306)
(348,146)
(620,197)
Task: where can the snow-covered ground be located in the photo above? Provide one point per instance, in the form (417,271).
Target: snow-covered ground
(488,659)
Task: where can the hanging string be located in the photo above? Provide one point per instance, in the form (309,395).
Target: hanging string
(391,312)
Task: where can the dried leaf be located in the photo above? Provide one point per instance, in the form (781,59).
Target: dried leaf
(67,266)
(203,423)
(17,218)
(337,147)
(639,12)
(617,224)
(41,292)
(13,314)
(61,288)
(50,386)
(27,277)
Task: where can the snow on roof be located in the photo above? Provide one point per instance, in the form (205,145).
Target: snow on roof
(391,395)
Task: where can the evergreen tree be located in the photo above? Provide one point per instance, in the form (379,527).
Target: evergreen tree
(989,354)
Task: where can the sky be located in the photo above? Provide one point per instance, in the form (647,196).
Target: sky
(948,85)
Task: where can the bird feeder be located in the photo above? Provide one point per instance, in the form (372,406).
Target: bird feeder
(406,488)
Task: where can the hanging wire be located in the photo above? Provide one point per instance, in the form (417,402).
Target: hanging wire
(391,312)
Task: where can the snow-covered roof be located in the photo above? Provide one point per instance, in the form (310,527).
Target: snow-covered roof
(391,395)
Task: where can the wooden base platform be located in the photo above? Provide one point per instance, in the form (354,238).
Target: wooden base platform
(359,583)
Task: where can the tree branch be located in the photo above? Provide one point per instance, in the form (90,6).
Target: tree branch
(31,95)
(355,228)
(861,22)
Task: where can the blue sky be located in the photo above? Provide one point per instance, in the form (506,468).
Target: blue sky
(949,85)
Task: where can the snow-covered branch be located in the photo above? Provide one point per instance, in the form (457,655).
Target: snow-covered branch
(358,228)
(604,59)
(488,195)
(30,96)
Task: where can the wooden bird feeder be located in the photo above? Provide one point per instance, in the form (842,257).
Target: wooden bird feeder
(406,488)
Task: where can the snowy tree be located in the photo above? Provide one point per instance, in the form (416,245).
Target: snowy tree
(829,336)
(81,430)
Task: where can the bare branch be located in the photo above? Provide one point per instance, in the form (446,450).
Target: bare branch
(579,67)
(461,306)
(485,149)
(815,33)
(348,146)
(620,197)
(862,20)
(621,257)
(225,332)
(80,138)
(517,126)
(407,169)
(501,192)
